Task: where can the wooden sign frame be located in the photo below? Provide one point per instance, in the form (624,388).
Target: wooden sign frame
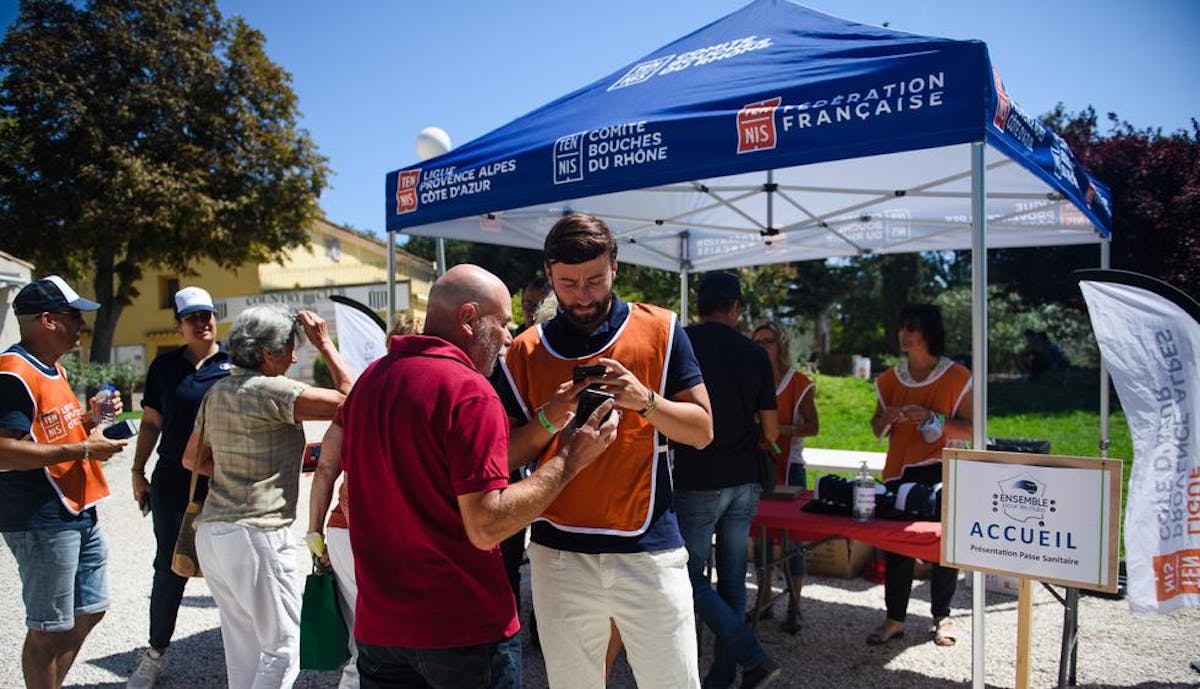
(1110,517)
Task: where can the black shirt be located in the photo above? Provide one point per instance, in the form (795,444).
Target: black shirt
(740,383)
(174,389)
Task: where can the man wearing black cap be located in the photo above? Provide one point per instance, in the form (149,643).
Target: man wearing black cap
(50,454)
(717,487)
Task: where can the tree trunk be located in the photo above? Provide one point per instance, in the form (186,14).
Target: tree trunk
(824,336)
(111,306)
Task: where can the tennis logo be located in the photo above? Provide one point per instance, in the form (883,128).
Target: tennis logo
(406,191)
(756,126)
(53,425)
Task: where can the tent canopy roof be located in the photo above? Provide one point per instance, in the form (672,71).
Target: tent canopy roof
(774,134)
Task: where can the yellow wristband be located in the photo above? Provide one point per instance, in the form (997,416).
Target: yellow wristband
(650,406)
(541,417)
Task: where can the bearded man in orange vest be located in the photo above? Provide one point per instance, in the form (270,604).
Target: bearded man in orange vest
(609,546)
(50,482)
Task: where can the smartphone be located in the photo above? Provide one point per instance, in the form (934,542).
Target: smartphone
(584,371)
(144,504)
(121,430)
(588,401)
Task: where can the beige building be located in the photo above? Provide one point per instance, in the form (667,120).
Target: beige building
(335,261)
(14,274)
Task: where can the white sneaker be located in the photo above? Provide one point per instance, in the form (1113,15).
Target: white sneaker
(149,668)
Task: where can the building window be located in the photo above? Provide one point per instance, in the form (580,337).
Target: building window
(167,287)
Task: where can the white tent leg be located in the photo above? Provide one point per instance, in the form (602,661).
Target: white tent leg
(685,266)
(391,280)
(683,296)
(1105,260)
(979,369)
(441,256)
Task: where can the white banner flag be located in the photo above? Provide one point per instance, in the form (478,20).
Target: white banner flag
(360,338)
(1150,340)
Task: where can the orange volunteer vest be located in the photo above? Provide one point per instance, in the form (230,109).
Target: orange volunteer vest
(791,391)
(943,392)
(615,494)
(58,419)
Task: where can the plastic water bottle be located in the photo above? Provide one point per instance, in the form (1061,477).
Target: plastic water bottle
(106,407)
(864,494)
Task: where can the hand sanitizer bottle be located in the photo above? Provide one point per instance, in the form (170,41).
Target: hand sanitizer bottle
(864,494)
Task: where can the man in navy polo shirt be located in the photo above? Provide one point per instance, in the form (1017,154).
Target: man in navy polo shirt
(609,547)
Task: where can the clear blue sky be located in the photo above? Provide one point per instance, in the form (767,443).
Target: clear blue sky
(370,74)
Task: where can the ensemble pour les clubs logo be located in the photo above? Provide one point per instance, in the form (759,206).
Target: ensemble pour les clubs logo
(1023,498)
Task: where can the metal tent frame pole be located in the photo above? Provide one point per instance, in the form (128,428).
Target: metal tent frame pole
(685,267)
(979,376)
(441,256)
(391,279)
(1068,657)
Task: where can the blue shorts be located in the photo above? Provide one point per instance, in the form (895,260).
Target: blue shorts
(64,574)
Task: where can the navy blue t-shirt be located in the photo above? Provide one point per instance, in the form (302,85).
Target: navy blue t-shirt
(174,389)
(27,500)
(682,373)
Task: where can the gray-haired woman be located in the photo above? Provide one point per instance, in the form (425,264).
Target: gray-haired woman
(249,438)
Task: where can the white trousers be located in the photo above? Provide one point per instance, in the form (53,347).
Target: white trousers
(342,558)
(648,594)
(252,575)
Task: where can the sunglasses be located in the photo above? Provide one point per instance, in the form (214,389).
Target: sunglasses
(198,317)
(762,342)
(69,313)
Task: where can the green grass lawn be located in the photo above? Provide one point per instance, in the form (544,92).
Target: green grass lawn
(1066,413)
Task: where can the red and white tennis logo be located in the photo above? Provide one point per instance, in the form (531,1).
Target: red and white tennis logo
(52,424)
(756,126)
(406,191)
(1003,104)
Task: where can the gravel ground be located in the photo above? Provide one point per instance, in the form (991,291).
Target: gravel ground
(1116,648)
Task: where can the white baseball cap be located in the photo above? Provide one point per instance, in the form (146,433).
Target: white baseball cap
(192,299)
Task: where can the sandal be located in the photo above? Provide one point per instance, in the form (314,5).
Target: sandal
(890,629)
(944,632)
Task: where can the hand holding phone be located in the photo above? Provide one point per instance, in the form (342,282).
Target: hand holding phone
(585,371)
(121,430)
(589,400)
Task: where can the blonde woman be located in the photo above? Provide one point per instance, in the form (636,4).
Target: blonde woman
(797,408)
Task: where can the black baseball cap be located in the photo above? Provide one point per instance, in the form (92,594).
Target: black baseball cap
(720,287)
(50,293)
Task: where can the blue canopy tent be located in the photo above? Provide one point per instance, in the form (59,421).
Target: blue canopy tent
(775,134)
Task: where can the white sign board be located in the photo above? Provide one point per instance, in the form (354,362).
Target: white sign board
(1042,517)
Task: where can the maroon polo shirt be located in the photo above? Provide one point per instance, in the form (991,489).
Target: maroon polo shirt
(423,426)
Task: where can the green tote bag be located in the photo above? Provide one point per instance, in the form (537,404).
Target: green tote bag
(323,634)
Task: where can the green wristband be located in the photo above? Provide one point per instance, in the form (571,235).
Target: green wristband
(541,417)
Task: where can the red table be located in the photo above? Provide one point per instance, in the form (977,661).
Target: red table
(914,539)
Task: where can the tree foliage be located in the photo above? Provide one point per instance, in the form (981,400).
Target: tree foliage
(140,133)
(515,266)
(1155,182)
